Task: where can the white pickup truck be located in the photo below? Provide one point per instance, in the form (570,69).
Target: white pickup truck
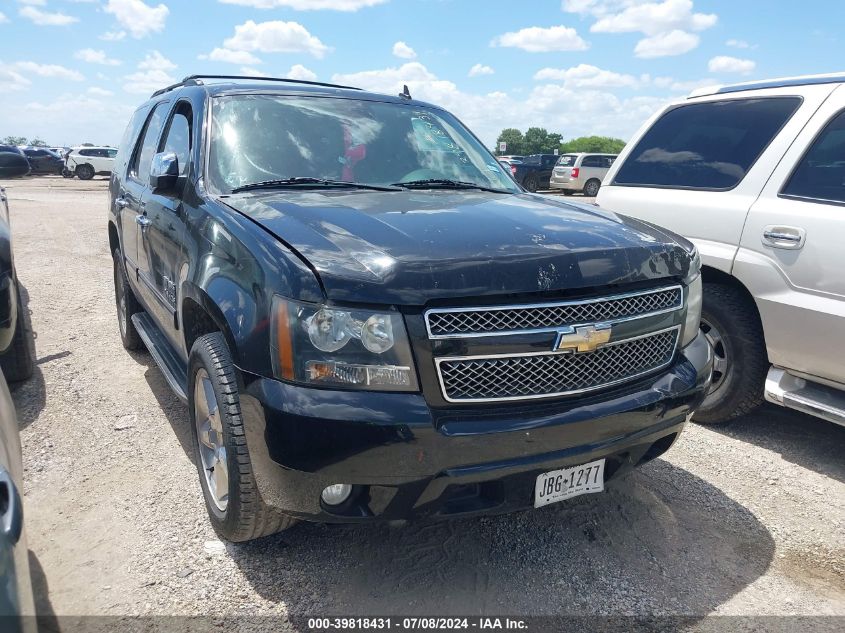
(754,175)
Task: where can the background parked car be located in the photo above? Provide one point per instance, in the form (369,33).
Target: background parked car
(43,161)
(86,162)
(581,172)
(534,171)
(754,174)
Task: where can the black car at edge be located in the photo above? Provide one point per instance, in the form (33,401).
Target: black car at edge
(369,320)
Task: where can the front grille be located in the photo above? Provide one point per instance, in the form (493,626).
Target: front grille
(542,375)
(458,323)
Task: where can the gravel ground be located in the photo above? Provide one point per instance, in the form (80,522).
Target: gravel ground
(747,520)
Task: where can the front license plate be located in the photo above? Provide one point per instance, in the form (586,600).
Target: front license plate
(566,483)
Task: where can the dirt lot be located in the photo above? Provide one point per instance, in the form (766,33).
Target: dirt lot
(747,520)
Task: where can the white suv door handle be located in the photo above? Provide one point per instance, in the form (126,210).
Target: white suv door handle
(788,237)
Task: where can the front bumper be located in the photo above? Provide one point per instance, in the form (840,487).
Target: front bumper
(408,460)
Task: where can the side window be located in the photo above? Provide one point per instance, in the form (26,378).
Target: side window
(178,138)
(85,152)
(111,153)
(548,161)
(591,161)
(709,145)
(143,158)
(821,173)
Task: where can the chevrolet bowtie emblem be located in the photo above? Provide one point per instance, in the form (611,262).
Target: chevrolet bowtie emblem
(584,338)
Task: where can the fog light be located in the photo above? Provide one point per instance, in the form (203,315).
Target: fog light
(336,494)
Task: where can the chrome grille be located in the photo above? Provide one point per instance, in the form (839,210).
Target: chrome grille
(515,377)
(468,322)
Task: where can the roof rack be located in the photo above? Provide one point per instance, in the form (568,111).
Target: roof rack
(196,80)
(785,82)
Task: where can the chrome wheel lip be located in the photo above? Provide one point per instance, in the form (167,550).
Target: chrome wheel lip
(211,441)
(721,358)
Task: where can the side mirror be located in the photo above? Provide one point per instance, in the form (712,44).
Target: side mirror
(164,171)
(13,165)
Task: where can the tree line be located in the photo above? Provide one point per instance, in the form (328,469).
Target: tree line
(21,140)
(538,140)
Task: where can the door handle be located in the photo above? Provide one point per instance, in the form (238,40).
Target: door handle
(788,237)
(143,220)
(121,203)
(11,510)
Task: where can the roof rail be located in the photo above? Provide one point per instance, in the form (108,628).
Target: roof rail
(196,80)
(784,82)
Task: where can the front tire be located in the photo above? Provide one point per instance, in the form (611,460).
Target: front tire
(730,322)
(127,305)
(85,172)
(234,504)
(18,362)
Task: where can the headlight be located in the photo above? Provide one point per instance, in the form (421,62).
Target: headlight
(693,291)
(339,347)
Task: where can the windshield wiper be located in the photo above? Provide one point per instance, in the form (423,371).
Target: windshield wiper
(299,181)
(445,183)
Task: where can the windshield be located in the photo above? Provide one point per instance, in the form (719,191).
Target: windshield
(256,138)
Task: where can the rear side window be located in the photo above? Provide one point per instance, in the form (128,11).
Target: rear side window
(140,169)
(706,145)
(593,161)
(821,173)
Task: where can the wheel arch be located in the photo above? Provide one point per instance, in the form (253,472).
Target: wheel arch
(114,239)
(711,275)
(199,314)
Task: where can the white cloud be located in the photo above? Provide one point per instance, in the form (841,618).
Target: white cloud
(653,18)
(666,44)
(153,74)
(230,57)
(253,72)
(727,64)
(53,71)
(156,61)
(43,18)
(479,70)
(536,39)
(12,79)
(403,51)
(99,92)
(682,86)
(39,3)
(3,18)
(95,57)
(113,36)
(298,71)
(275,37)
(739,44)
(137,17)
(307,5)
(586,111)
(587,76)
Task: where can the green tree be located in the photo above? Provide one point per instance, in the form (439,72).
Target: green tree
(538,140)
(601,144)
(37,142)
(514,140)
(14,140)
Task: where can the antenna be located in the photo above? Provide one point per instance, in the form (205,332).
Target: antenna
(405,94)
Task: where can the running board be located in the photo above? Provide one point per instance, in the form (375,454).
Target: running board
(174,370)
(808,397)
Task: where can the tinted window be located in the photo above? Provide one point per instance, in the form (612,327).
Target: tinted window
(86,152)
(549,160)
(593,161)
(111,153)
(532,160)
(178,139)
(821,173)
(706,145)
(144,153)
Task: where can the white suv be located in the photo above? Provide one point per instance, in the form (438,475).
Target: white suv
(580,172)
(86,162)
(754,175)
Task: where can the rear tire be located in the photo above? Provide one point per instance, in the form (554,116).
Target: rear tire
(234,504)
(731,324)
(530,183)
(85,172)
(127,305)
(18,362)
(591,188)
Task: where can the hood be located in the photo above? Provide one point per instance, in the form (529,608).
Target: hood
(412,247)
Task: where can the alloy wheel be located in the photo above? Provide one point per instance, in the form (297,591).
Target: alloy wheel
(721,359)
(212,446)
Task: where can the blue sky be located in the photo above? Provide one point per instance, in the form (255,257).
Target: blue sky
(73,70)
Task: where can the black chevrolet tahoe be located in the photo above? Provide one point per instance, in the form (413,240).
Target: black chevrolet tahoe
(369,320)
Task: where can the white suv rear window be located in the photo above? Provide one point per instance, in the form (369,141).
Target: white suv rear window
(709,145)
